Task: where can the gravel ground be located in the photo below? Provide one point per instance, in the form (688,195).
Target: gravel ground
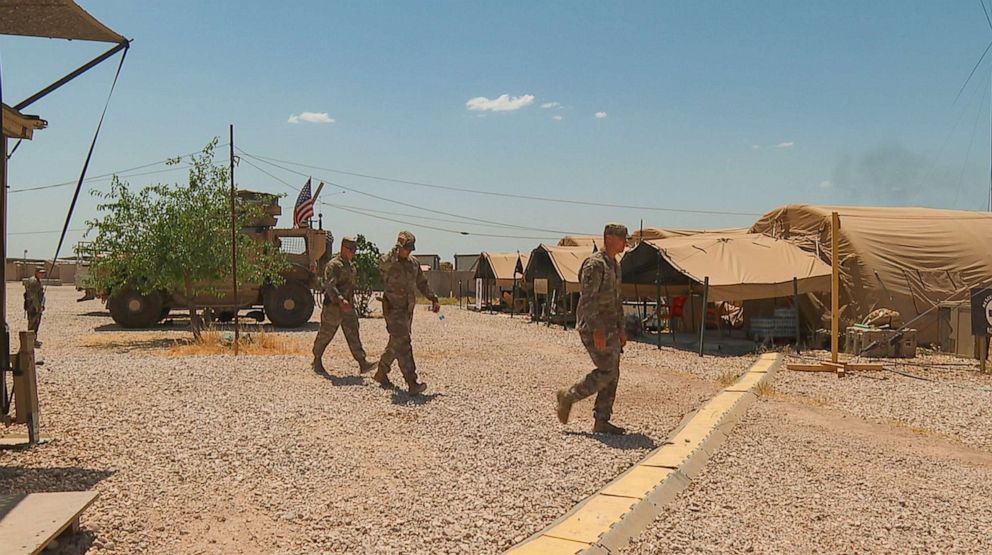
(795,478)
(211,454)
(954,400)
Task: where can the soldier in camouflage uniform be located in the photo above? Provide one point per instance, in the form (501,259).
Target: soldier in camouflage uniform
(600,325)
(402,277)
(339,311)
(34,301)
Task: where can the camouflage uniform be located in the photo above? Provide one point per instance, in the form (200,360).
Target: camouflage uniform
(34,304)
(339,285)
(600,308)
(401,280)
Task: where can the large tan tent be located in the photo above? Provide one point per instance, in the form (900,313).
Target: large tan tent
(739,267)
(653,233)
(500,267)
(907,259)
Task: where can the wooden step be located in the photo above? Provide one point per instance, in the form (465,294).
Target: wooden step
(29,522)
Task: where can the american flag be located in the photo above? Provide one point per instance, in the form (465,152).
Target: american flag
(304,206)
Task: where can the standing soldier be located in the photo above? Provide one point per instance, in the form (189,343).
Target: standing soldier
(402,276)
(600,325)
(34,301)
(339,310)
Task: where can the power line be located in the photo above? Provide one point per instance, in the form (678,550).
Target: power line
(509,195)
(42,232)
(407,204)
(369,214)
(111,174)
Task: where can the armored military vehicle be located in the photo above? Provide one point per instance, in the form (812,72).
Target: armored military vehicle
(288,305)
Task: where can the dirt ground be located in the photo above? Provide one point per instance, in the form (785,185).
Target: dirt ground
(212,454)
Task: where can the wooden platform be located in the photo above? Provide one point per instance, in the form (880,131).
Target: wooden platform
(29,522)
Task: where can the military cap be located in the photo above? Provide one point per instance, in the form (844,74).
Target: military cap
(406,240)
(617,230)
(349,241)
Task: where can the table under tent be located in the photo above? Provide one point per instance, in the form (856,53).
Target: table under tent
(498,277)
(551,280)
(697,282)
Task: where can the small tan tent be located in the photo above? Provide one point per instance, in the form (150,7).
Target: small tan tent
(907,259)
(500,266)
(559,265)
(739,267)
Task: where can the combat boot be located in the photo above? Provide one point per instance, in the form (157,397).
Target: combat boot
(418,388)
(318,366)
(564,405)
(381,378)
(366,366)
(604,427)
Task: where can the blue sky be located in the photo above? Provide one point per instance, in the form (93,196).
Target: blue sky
(730,107)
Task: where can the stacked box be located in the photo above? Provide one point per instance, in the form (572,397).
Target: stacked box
(906,346)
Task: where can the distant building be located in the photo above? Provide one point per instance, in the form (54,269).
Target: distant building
(431,260)
(466,262)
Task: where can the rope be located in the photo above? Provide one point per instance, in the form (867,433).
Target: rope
(86,163)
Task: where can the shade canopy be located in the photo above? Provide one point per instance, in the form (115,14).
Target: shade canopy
(501,266)
(908,259)
(54,19)
(739,266)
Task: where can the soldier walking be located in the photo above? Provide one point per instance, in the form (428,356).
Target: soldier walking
(34,301)
(402,277)
(339,310)
(600,325)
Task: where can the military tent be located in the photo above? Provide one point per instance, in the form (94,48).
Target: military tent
(652,233)
(501,267)
(559,265)
(588,241)
(907,259)
(739,267)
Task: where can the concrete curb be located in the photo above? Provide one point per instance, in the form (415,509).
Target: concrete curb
(607,520)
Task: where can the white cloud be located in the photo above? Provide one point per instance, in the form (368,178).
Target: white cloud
(600,115)
(310,117)
(547,105)
(502,103)
(785,145)
(826,185)
(755,147)
(556,118)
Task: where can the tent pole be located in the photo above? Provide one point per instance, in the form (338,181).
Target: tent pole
(657,304)
(834,286)
(795,305)
(702,323)
(4,331)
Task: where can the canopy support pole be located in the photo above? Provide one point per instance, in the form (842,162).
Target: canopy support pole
(657,304)
(79,71)
(702,323)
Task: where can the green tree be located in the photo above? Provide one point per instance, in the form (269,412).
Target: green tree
(367,274)
(177,238)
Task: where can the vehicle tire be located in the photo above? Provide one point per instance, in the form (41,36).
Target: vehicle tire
(131,309)
(289,305)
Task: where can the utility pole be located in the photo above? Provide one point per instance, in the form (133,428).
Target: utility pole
(234,250)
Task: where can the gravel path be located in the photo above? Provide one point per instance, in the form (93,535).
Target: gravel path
(209,454)
(794,478)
